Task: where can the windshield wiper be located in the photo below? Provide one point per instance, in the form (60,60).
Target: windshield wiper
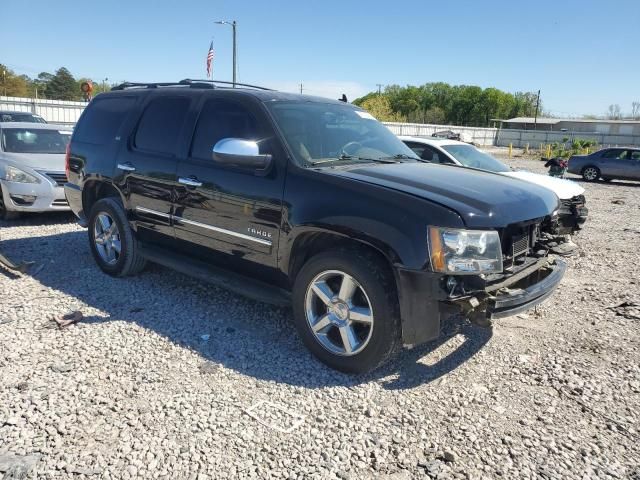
(345,157)
(400,156)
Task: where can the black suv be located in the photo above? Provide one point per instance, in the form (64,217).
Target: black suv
(305,201)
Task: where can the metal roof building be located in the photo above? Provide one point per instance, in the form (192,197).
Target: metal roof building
(602,126)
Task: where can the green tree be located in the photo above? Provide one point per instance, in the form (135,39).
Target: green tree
(62,86)
(380,107)
(11,84)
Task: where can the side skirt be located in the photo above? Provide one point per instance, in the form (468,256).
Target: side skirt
(240,284)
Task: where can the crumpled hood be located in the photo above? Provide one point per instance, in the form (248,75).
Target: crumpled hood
(49,162)
(482,199)
(564,189)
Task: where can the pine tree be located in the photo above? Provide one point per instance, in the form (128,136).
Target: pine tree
(62,86)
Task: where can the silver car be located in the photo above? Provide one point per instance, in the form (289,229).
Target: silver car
(608,163)
(32,168)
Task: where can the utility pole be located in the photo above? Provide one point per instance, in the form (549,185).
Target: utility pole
(535,119)
(4,80)
(104,85)
(233,25)
(379,85)
(301,89)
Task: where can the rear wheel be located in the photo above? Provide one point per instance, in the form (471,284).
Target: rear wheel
(111,239)
(591,174)
(346,310)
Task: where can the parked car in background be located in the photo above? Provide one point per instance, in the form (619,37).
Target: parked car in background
(573,212)
(309,202)
(607,164)
(32,168)
(27,117)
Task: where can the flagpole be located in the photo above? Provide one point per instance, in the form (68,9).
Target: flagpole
(234,26)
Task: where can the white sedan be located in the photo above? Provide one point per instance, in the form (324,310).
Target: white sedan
(452,152)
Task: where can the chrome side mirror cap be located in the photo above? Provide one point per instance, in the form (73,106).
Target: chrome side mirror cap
(241,153)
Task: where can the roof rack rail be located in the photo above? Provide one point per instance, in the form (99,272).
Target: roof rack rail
(185,82)
(222,82)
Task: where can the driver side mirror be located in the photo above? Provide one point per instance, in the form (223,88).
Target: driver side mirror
(237,152)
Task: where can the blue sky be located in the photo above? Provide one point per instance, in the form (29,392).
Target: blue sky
(583,55)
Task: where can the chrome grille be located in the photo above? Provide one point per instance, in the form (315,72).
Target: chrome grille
(59,178)
(519,245)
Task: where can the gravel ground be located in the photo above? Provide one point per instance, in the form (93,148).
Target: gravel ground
(169,378)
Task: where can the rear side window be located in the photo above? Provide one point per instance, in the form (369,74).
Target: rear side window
(102,119)
(160,125)
(221,119)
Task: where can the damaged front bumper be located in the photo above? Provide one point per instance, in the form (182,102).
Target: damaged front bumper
(512,293)
(427,298)
(572,215)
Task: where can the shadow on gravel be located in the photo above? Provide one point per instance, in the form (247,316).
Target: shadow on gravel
(48,218)
(249,337)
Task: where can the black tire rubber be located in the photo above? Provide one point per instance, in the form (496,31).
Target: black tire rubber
(130,261)
(4,213)
(376,279)
(596,169)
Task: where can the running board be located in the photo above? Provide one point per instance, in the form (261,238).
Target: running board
(245,286)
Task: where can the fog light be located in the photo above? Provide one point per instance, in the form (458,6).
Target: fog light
(451,283)
(23,199)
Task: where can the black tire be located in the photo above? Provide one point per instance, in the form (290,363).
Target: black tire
(129,261)
(591,173)
(4,213)
(377,283)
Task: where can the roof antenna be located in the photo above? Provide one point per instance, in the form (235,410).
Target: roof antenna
(343,98)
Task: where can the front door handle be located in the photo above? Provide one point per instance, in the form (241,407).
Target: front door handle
(127,167)
(190,181)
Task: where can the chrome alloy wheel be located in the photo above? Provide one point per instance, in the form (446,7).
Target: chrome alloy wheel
(590,174)
(106,237)
(339,313)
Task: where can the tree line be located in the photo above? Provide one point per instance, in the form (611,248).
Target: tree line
(441,103)
(61,85)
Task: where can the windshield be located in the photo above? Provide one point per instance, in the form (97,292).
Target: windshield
(21,117)
(470,156)
(323,132)
(25,140)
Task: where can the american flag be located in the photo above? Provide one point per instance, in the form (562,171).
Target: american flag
(210,56)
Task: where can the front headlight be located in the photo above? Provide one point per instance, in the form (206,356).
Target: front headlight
(461,252)
(13,174)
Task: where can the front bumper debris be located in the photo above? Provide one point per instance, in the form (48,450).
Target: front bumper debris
(513,294)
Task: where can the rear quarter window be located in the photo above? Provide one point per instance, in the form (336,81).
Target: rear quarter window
(102,120)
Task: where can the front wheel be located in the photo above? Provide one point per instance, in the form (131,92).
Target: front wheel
(346,310)
(591,174)
(6,214)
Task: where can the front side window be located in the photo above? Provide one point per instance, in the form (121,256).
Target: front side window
(160,125)
(635,154)
(470,156)
(221,119)
(32,140)
(325,132)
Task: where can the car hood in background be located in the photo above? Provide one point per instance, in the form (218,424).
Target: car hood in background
(50,162)
(482,199)
(564,189)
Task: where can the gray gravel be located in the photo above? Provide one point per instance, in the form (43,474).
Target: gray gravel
(169,378)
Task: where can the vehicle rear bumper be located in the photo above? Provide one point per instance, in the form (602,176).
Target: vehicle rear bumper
(33,197)
(73,193)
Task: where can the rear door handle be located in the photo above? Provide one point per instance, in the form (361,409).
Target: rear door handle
(127,167)
(190,181)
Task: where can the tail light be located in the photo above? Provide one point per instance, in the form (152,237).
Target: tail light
(67,154)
